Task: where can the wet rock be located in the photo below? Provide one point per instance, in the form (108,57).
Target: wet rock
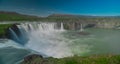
(31,58)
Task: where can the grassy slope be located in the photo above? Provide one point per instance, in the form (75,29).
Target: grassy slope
(12,16)
(3,28)
(101,59)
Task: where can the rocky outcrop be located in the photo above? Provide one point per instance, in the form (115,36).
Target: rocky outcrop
(3,30)
(33,59)
(17,34)
(109,24)
(15,29)
(77,25)
(105,25)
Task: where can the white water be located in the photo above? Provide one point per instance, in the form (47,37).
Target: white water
(49,39)
(81,28)
(53,40)
(46,38)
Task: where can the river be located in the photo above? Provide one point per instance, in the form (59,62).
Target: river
(52,40)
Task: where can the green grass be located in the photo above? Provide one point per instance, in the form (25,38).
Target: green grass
(3,28)
(101,59)
(16,17)
(12,16)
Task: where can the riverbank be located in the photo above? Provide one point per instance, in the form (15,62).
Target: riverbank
(96,59)
(3,29)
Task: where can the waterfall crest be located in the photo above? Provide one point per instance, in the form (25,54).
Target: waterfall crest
(44,38)
(48,39)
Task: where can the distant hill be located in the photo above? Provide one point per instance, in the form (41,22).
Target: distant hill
(67,15)
(81,16)
(13,16)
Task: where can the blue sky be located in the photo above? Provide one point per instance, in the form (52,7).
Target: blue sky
(47,7)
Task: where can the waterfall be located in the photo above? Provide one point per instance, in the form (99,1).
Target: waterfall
(43,27)
(19,36)
(81,28)
(44,38)
(25,30)
(62,28)
(14,35)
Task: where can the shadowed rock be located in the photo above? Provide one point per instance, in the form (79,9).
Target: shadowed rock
(33,59)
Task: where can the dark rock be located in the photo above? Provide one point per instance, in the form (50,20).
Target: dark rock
(15,29)
(90,26)
(30,58)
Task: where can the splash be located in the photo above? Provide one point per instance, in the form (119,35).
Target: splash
(48,38)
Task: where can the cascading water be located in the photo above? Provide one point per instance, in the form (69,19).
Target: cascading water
(53,40)
(47,38)
(81,28)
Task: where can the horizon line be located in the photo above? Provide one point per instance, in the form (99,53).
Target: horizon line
(74,14)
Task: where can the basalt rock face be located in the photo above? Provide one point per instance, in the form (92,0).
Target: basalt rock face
(17,34)
(75,25)
(90,26)
(15,29)
(31,58)
(6,33)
